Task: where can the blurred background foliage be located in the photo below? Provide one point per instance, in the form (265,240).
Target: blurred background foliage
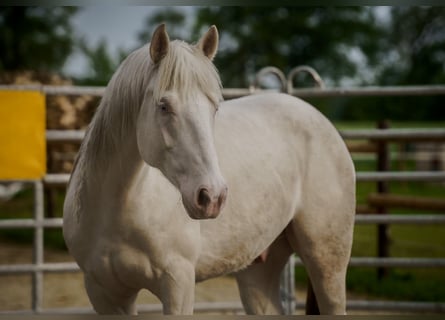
(348,46)
(35,37)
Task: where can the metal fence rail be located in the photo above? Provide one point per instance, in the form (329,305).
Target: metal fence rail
(39,222)
(354,262)
(376,134)
(359,219)
(42,267)
(230,93)
(62,179)
(371,134)
(419,176)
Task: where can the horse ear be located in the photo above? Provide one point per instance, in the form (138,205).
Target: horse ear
(159,44)
(209,43)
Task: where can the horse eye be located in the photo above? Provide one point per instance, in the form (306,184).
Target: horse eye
(164,106)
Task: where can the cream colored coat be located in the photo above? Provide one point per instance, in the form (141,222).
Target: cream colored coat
(279,178)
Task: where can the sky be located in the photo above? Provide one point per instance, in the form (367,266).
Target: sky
(118,25)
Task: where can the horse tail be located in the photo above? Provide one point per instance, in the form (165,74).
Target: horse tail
(311,300)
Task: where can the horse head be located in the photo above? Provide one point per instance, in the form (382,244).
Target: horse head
(175,126)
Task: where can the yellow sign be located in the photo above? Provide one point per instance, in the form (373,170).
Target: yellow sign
(22,135)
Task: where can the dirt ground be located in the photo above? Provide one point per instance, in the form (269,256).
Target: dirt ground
(66,290)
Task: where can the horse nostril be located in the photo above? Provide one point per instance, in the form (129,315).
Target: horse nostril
(204,198)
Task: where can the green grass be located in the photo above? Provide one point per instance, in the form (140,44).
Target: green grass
(423,241)
(399,284)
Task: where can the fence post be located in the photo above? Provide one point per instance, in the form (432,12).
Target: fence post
(49,191)
(38,260)
(287,290)
(383,164)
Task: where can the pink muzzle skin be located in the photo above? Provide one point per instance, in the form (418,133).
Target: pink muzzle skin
(210,203)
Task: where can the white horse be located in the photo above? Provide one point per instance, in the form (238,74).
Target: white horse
(163,154)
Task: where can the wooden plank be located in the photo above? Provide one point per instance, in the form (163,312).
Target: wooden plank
(410,202)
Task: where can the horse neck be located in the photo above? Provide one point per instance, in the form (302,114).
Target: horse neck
(110,163)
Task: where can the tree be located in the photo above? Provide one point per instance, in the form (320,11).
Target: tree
(175,20)
(418,40)
(285,37)
(102,64)
(37,38)
(414,54)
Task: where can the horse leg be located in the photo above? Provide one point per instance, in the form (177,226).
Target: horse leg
(177,288)
(107,302)
(259,284)
(324,246)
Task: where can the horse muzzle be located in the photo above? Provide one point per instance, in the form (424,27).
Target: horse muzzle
(207,202)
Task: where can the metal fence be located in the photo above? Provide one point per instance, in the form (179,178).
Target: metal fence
(39,223)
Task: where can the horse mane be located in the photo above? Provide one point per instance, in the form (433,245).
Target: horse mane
(184,69)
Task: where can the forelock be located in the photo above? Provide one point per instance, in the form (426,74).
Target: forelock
(185,69)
